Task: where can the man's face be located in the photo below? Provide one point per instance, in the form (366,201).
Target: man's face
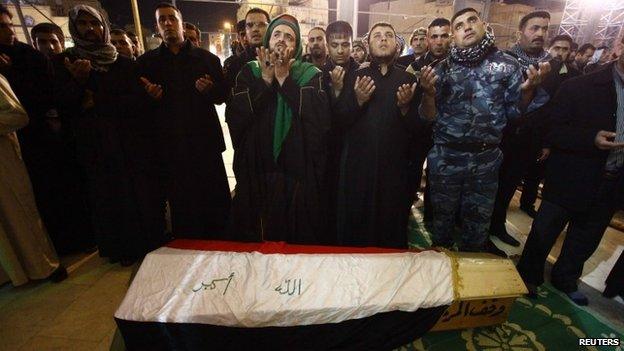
(255,27)
(316,43)
(282,37)
(169,22)
(468,30)
(560,50)
(382,43)
(533,36)
(193,37)
(359,55)
(89,27)
(419,44)
(583,57)
(135,45)
(7,35)
(439,39)
(242,38)
(339,48)
(48,43)
(123,44)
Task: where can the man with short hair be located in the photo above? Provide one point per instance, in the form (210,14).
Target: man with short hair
(137,46)
(256,22)
(438,42)
(584,179)
(317,47)
(561,70)
(48,38)
(338,77)
(242,39)
(418,44)
(573,50)
(122,43)
(470,103)
(583,55)
(192,34)
(521,144)
(360,52)
(605,56)
(182,83)
(381,116)
(95,94)
(278,117)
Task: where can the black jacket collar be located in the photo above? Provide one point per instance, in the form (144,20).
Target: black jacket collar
(184,48)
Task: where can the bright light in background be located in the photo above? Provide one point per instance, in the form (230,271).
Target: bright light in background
(600,4)
(227,25)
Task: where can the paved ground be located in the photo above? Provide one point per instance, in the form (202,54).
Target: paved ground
(77,313)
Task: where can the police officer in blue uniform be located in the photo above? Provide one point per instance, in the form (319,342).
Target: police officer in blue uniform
(471,96)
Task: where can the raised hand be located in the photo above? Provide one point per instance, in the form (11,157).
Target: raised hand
(364,89)
(204,83)
(337,77)
(153,90)
(283,63)
(428,80)
(79,69)
(405,94)
(604,140)
(267,64)
(535,77)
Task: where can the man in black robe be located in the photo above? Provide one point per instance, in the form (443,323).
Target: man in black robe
(46,152)
(182,83)
(373,185)
(96,98)
(278,118)
(338,76)
(256,22)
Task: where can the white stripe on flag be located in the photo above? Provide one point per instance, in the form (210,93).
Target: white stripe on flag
(257,290)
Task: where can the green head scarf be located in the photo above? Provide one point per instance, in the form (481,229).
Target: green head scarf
(300,72)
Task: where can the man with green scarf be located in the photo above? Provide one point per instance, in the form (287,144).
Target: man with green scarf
(278,118)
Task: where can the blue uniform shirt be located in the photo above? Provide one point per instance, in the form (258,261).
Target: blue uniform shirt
(475,103)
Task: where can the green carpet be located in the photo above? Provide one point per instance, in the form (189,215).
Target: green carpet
(551,322)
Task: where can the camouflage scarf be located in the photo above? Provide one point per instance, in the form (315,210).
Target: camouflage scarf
(527,60)
(474,55)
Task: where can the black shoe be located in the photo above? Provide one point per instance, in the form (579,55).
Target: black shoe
(491,248)
(578,298)
(532,288)
(127,262)
(609,293)
(529,210)
(89,250)
(58,275)
(505,237)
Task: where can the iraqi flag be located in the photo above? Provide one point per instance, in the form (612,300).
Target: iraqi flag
(216,295)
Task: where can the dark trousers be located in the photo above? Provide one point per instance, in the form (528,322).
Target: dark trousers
(585,230)
(615,280)
(517,156)
(531,181)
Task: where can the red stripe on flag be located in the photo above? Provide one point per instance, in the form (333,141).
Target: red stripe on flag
(275,247)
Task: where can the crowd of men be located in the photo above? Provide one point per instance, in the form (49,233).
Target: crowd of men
(330,135)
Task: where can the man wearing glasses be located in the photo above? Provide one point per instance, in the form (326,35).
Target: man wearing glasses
(256,22)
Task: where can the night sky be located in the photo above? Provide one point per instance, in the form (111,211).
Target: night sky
(208,16)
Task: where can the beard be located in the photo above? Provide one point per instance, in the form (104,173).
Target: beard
(385,58)
(317,52)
